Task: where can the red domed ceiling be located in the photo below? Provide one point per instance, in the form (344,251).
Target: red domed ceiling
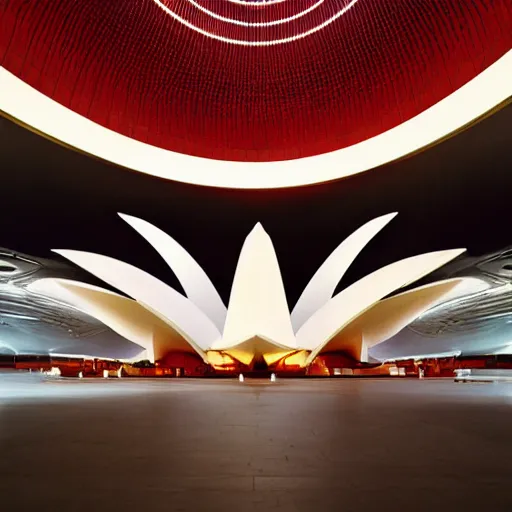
(251,80)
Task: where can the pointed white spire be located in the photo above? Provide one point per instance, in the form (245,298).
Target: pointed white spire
(322,285)
(196,283)
(257,305)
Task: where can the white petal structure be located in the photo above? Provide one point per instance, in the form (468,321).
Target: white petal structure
(197,285)
(357,298)
(387,317)
(257,305)
(123,315)
(172,307)
(257,326)
(322,285)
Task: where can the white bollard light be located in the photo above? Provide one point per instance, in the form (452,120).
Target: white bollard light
(105,374)
(80,375)
(119,373)
(241,377)
(272,377)
(55,372)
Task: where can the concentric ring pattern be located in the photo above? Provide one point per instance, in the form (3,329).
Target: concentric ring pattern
(249,80)
(265,23)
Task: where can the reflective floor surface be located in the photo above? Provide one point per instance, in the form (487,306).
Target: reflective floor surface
(222,445)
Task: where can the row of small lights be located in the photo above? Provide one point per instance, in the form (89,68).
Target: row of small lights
(55,372)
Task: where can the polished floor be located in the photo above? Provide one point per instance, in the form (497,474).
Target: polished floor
(222,445)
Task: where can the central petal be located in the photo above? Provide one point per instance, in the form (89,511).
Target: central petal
(257,305)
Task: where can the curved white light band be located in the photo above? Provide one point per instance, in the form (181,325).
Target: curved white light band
(257,24)
(261,3)
(271,42)
(489,89)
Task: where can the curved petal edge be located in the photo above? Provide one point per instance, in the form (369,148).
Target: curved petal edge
(387,317)
(322,285)
(194,280)
(125,316)
(357,298)
(172,307)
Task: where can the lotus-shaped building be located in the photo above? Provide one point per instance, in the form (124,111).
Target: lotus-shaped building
(257,326)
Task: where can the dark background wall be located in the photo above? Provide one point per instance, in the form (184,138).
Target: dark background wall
(456,194)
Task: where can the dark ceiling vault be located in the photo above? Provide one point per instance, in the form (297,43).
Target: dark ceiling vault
(455,194)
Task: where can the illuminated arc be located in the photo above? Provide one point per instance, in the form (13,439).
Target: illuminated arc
(262,3)
(8,347)
(27,105)
(272,42)
(257,24)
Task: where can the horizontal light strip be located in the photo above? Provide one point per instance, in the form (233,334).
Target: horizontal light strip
(261,3)
(20,317)
(82,356)
(25,104)
(433,355)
